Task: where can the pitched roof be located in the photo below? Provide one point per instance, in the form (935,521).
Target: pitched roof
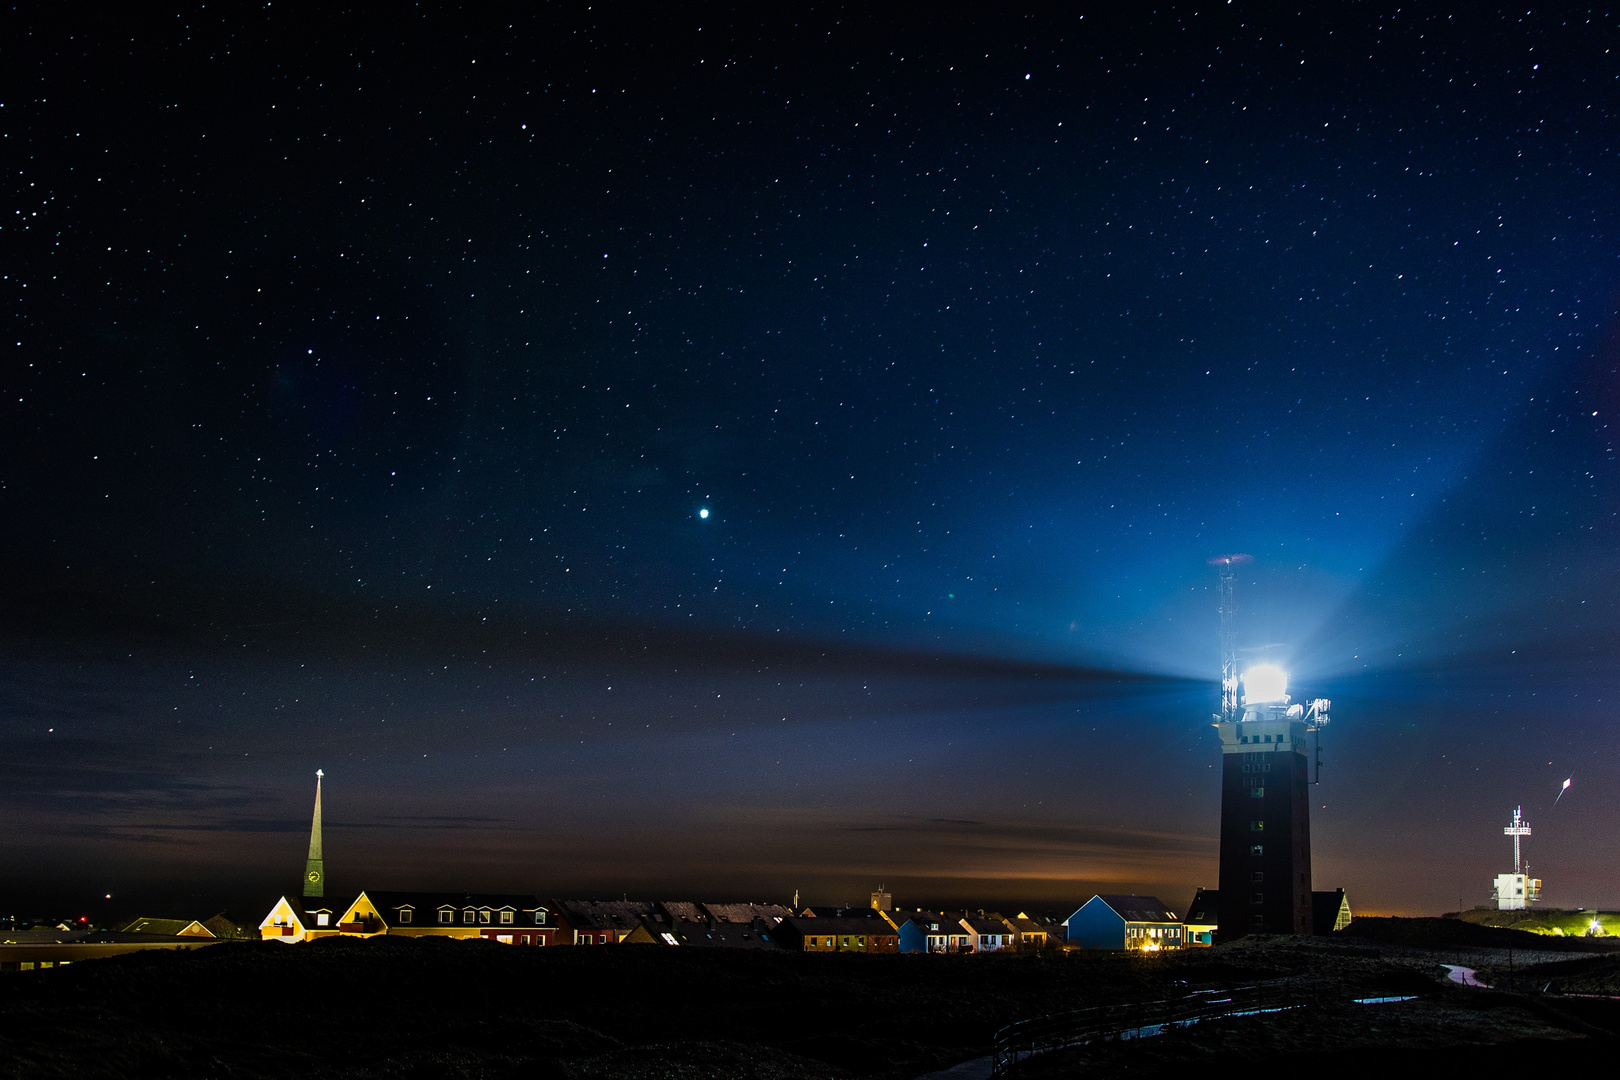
(832,924)
(1205,909)
(718,935)
(1133,908)
(167,927)
(603,914)
(388,905)
(683,911)
(747,913)
(989,923)
(304,914)
(1326,909)
(937,922)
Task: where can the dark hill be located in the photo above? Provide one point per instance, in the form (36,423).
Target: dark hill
(1442,933)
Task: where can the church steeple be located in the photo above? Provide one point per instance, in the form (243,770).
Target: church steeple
(315,868)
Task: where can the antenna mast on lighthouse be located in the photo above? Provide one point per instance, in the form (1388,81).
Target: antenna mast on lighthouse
(1230,707)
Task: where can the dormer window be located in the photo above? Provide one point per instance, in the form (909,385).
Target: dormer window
(469,916)
(506,918)
(447,915)
(483,915)
(405,915)
(320,918)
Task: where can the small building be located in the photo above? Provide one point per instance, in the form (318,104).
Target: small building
(1115,921)
(1515,892)
(834,933)
(1330,911)
(1203,918)
(295,919)
(934,932)
(990,932)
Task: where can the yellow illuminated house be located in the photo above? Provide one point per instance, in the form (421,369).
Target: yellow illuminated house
(507,918)
(291,921)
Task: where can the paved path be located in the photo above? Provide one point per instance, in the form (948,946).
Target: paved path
(1463,976)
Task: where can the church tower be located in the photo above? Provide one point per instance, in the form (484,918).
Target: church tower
(315,867)
(1265,873)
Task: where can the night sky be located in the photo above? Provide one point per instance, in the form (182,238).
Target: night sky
(717,454)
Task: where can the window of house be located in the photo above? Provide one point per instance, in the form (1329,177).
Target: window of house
(506,917)
(1257,850)
(604,940)
(483,916)
(469,916)
(1259,920)
(1257,792)
(1258,898)
(584,939)
(1257,876)
(1257,826)
(447,916)
(320,918)
(404,915)
(524,938)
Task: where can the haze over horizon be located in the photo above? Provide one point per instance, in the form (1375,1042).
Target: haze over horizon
(728,453)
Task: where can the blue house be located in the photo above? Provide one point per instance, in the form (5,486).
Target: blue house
(1133,922)
(935,932)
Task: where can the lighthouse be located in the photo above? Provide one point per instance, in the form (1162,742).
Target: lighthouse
(1266,774)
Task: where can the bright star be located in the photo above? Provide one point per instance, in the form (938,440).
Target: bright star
(703,513)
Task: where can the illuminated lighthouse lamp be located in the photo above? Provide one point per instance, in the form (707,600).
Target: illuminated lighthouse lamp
(1264,683)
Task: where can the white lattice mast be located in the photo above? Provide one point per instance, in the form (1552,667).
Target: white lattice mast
(1230,707)
(1516,830)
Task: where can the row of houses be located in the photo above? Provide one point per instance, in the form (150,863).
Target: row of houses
(525,920)
(1106,921)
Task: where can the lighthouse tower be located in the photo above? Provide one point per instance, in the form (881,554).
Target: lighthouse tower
(1265,873)
(315,866)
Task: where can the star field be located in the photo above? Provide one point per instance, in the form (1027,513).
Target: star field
(435,371)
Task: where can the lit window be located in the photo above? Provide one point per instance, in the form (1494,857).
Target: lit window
(320,918)
(506,917)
